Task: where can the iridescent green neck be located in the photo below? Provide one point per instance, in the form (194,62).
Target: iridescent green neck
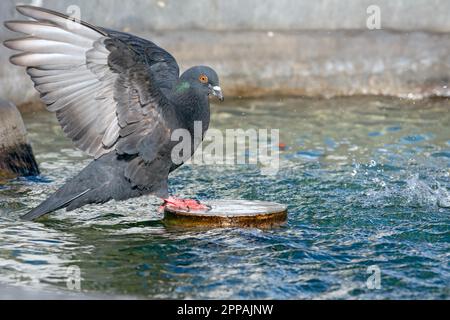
(182,87)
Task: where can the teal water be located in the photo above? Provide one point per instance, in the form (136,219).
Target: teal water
(367,182)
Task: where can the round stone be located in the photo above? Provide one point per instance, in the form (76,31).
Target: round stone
(229,213)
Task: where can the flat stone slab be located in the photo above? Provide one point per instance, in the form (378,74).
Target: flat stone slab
(229,213)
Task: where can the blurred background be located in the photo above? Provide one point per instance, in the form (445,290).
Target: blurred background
(278,48)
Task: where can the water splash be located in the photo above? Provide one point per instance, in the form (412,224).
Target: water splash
(414,192)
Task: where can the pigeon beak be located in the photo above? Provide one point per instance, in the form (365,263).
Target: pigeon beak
(217,92)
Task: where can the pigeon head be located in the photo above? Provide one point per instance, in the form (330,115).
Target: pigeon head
(204,80)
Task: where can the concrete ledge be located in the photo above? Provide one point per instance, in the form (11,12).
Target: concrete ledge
(254,15)
(309,63)
(284,48)
(320,63)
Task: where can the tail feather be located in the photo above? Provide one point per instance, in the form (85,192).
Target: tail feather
(55,202)
(101,181)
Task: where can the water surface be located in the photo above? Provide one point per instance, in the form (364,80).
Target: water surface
(367,182)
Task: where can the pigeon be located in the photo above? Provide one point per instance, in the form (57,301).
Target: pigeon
(119,98)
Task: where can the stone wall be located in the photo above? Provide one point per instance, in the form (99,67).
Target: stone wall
(284,47)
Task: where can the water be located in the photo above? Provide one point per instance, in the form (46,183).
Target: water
(366,180)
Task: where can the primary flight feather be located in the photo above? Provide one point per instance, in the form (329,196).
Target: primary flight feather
(118,97)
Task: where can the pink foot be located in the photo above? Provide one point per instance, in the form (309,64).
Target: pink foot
(184,204)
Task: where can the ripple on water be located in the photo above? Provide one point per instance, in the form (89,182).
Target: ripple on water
(362,191)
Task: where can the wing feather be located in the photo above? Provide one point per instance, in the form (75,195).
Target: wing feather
(36,45)
(105,86)
(43,30)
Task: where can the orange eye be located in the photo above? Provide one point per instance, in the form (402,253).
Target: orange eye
(203,79)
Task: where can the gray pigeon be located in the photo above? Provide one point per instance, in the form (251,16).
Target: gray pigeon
(118,97)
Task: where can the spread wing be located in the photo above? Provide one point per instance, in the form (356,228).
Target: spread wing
(106,87)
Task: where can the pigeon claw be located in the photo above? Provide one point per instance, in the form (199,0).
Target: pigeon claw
(184,204)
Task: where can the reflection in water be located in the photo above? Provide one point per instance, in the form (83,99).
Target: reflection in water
(366,181)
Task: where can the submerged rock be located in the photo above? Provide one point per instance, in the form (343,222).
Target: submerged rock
(16,154)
